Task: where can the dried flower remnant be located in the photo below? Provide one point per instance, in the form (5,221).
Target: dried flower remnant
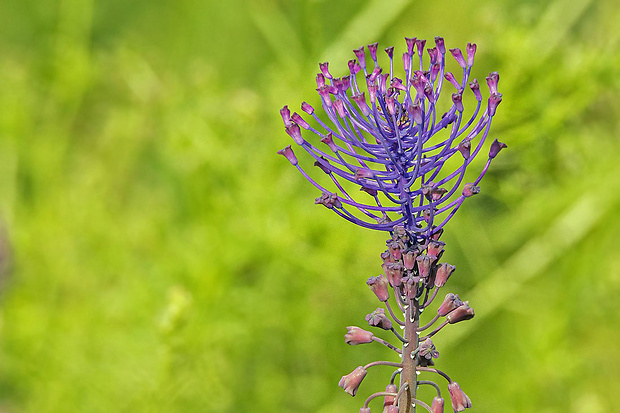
(389,160)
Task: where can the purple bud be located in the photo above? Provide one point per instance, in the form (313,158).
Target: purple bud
(470,190)
(440,45)
(459,399)
(389,400)
(320,80)
(360,99)
(372,48)
(307,108)
(475,87)
(435,248)
(451,302)
(361,56)
(465,148)
(457,99)
(409,258)
(294,132)
(369,191)
(378,319)
(437,406)
(288,153)
(435,69)
(325,70)
(427,349)
(379,286)
(363,173)
(437,193)
(496,147)
(323,165)
(437,233)
(444,270)
(356,335)
(494,100)
(286,115)
(471,52)
(450,78)
(300,121)
(396,83)
(407,62)
(395,249)
(328,200)
(329,141)
(410,45)
(354,68)
(424,264)
(420,43)
(351,382)
(462,313)
(458,55)
(382,80)
(364,409)
(394,273)
(415,111)
(339,105)
(390,102)
(492,80)
(433,54)
(390,51)
(324,93)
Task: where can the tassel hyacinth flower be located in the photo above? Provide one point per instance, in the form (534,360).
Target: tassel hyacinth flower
(406,143)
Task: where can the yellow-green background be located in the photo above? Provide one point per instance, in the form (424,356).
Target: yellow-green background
(157,256)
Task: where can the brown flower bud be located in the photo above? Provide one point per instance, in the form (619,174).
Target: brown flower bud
(389,400)
(451,302)
(459,399)
(379,286)
(437,406)
(462,313)
(424,264)
(351,382)
(435,248)
(356,335)
(378,319)
(444,270)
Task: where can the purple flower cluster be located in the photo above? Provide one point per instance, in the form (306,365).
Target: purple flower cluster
(411,162)
(394,143)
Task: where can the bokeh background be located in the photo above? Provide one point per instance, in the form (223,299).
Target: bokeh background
(157,256)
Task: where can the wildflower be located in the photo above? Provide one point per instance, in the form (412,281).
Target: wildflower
(450,303)
(384,136)
(378,285)
(378,319)
(462,313)
(442,274)
(356,335)
(459,399)
(427,350)
(352,381)
(437,406)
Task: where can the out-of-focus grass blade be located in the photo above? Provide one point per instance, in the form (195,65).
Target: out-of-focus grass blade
(532,259)
(278,32)
(365,27)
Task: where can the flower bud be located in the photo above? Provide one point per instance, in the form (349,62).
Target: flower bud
(442,274)
(356,335)
(437,406)
(300,121)
(494,100)
(394,273)
(325,70)
(389,400)
(492,80)
(435,248)
(391,409)
(459,399)
(378,319)
(475,87)
(427,350)
(462,313)
(328,200)
(294,132)
(458,56)
(288,153)
(351,382)
(470,190)
(329,141)
(471,52)
(364,409)
(496,147)
(424,264)
(307,108)
(465,148)
(409,257)
(451,302)
(379,286)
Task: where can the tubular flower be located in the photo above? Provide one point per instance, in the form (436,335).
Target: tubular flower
(352,381)
(382,133)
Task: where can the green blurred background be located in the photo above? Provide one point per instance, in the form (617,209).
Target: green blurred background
(158,256)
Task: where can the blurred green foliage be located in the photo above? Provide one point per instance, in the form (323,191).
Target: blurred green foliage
(158,256)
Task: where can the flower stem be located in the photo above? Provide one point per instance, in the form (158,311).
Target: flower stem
(389,307)
(408,375)
(430,323)
(388,345)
